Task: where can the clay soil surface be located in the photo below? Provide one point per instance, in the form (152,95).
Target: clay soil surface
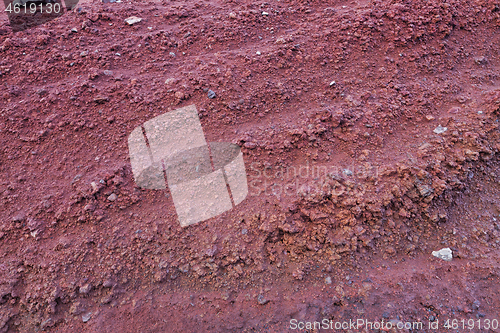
(370,137)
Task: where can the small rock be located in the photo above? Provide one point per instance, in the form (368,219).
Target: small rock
(19,217)
(85,289)
(265,13)
(347,172)
(84,54)
(480,60)
(429,117)
(101,99)
(132,20)
(86,317)
(47,323)
(108,72)
(112,197)
(262,300)
(170,81)
(74,30)
(258,53)
(328,280)
(333,83)
(250,145)
(211,94)
(89,207)
(77,308)
(108,283)
(444,254)
(440,129)
(425,190)
(232,15)
(179,95)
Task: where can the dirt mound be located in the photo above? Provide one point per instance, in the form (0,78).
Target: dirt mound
(370,137)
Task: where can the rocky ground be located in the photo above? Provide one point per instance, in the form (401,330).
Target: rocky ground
(370,137)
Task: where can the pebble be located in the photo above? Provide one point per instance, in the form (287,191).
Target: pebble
(445,254)
(250,145)
(211,94)
(86,317)
(19,217)
(347,172)
(108,72)
(112,197)
(262,300)
(101,99)
(258,53)
(74,30)
(332,83)
(440,129)
(480,60)
(133,20)
(170,81)
(85,289)
(265,13)
(328,280)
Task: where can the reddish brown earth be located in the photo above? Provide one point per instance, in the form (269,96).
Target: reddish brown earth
(352,242)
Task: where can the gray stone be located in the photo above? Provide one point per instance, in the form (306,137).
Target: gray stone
(262,300)
(86,317)
(440,129)
(132,20)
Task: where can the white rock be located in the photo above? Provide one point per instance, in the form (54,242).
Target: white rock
(440,129)
(328,280)
(332,83)
(265,13)
(86,317)
(112,197)
(444,254)
(133,20)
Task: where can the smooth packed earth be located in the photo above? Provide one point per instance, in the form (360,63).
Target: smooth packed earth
(370,134)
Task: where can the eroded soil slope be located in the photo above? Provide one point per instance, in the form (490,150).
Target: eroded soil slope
(370,137)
